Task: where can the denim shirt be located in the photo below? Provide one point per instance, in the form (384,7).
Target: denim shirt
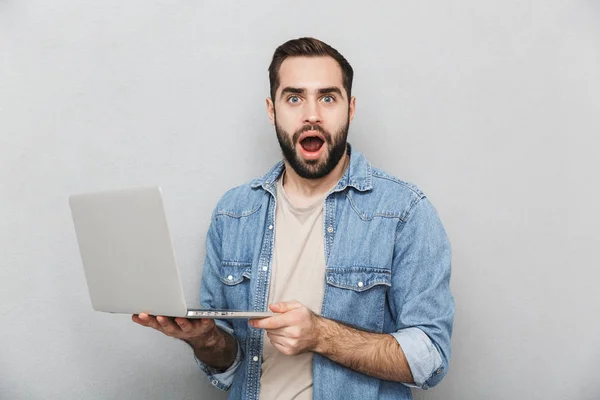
(388,271)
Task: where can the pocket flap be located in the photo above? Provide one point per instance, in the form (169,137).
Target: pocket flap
(358,279)
(234,273)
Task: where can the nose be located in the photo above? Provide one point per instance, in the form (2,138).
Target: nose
(312,113)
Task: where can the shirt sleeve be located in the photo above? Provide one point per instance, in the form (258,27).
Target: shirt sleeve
(211,296)
(423,358)
(420,294)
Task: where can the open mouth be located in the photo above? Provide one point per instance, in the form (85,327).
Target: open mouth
(312,144)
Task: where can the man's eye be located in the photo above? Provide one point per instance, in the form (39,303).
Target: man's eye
(328,99)
(294,99)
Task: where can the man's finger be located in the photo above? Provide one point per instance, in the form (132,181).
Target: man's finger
(277,332)
(146,319)
(285,306)
(135,318)
(275,339)
(185,325)
(167,325)
(150,321)
(270,323)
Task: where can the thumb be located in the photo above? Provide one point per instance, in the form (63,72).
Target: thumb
(284,306)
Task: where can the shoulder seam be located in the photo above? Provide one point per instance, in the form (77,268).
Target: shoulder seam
(382,175)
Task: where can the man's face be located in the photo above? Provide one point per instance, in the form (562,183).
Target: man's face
(311,113)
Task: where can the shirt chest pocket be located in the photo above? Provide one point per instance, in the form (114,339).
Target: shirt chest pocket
(357,296)
(235,277)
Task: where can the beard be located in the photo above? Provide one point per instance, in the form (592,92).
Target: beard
(313,169)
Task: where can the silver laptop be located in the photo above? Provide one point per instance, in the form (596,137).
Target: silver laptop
(128,257)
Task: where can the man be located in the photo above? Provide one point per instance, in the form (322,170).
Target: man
(354,262)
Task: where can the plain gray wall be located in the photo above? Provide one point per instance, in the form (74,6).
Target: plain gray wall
(492,108)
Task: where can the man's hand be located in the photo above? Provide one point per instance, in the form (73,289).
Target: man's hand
(211,345)
(196,331)
(298,330)
(294,331)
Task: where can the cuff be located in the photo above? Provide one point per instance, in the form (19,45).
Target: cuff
(423,358)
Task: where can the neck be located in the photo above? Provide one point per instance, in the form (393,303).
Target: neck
(301,188)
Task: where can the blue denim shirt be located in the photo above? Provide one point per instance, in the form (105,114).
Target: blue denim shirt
(388,271)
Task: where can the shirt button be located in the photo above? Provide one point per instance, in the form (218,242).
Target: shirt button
(438,371)
(230,277)
(255,358)
(360,284)
(270,227)
(215,382)
(330,229)
(265,268)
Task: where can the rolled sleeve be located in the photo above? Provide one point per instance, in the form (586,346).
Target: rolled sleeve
(423,358)
(420,294)
(222,379)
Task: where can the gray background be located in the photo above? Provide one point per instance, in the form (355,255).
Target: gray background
(492,108)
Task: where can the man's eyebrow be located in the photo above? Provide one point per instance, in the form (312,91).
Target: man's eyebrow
(332,89)
(289,89)
(326,90)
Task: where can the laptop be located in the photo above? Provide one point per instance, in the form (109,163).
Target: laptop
(128,258)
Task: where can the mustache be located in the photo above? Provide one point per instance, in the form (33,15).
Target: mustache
(307,128)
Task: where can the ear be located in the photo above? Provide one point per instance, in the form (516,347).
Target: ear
(271,110)
(352,108)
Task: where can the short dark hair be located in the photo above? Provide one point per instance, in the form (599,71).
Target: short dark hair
(308,47)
